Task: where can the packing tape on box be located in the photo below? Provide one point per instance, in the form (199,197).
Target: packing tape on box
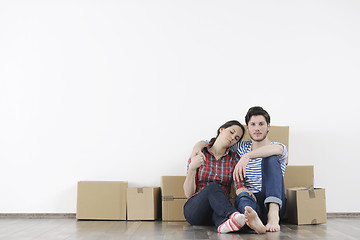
(168,198)
(311,192)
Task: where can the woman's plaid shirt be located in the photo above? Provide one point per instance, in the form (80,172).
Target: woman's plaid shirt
(220,171)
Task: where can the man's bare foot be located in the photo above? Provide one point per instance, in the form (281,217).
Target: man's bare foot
(273,225)
(253,220)
(273,218)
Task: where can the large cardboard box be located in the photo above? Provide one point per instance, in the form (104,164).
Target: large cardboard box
(173,198)
(306,205)
(101,200)
(143,203)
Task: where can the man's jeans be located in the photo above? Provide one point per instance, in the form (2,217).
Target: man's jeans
(272,190)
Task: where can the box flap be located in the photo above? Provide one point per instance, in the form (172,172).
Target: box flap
(299,176)
(172,186)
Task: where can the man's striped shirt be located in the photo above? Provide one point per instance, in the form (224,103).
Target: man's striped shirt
(253,178)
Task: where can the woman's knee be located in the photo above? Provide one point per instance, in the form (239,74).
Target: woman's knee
(197,216)
(213,186)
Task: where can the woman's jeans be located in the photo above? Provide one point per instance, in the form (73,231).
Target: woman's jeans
(209,206)
(272,190)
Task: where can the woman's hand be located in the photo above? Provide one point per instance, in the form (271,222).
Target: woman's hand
(196,161)
(240,168)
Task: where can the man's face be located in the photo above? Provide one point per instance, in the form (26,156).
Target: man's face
(258,128)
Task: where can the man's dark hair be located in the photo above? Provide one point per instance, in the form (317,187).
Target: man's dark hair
(256,111)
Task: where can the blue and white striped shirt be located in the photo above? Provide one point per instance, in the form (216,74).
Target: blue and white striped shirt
(253,178)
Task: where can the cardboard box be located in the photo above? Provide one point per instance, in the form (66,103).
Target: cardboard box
(297,176)
(173,198)
(143,203)
(173,210)
(306,205)
(101,200)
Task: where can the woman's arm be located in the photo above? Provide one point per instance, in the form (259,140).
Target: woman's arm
(190,184)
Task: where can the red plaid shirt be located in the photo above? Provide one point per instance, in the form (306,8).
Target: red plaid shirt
(220,171)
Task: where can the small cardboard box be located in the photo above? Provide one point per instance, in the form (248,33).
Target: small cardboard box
(173,198)
(173,210)
(298,176)
(306,205)
(101,200)
(143,203)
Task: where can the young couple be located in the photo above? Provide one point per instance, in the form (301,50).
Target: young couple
(256,167)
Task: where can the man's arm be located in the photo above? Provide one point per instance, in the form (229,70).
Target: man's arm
(198,147)
(266,151)
(261,152)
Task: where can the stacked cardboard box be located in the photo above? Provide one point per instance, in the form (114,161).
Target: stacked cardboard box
(101,200)
(143,203)
(173,198)
(305,205)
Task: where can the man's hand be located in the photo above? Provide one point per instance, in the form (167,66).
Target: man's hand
(196,161)
(240,168)
(243,189)
(197,149)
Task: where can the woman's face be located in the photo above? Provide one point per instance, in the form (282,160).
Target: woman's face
(231,135)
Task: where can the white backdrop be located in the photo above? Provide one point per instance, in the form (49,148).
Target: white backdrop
(121,90)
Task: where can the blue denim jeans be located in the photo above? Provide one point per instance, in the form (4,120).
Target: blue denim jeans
(272,190)
(209,206)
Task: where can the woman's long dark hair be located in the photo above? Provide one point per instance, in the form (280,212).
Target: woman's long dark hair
(229,124)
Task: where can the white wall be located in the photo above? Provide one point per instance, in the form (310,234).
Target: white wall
(121,90)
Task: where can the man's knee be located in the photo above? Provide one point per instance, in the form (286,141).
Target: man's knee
(273,158)
(271,161)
